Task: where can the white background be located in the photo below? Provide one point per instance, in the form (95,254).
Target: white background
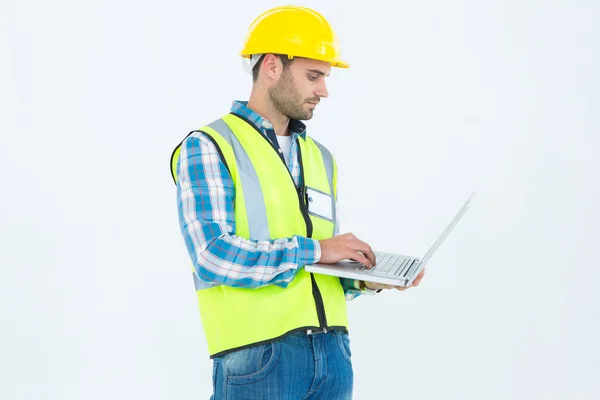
(442,98)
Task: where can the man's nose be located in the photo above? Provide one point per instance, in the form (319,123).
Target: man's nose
(322,90)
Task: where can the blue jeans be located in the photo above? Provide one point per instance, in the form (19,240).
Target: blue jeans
(298,366)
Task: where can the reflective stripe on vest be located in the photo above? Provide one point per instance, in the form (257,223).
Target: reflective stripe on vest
(269,206)
(330,168)
(257,221)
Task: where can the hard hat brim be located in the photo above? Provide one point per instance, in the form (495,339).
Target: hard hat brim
(334,63)
(340,64)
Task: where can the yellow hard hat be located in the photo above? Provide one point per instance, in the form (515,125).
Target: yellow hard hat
(294,31)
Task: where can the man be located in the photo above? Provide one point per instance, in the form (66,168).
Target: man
(257,201)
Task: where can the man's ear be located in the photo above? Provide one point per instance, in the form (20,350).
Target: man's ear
(272,66)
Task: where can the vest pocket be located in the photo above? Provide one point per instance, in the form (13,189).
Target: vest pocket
(250,365)
(320,204)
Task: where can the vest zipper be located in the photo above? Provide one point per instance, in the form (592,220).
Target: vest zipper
(319,303)
(303,201)
(303,197)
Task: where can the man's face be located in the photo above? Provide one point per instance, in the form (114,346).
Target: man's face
(300,88)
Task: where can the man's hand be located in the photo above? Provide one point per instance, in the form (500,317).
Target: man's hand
(346,246)
(377,286)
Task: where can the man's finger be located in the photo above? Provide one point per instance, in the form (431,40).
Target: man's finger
(356,256)
(364,248)
(418,279)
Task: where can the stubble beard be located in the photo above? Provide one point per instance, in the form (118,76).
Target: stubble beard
(287,100)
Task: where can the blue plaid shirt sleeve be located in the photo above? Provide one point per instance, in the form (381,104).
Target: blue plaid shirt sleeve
(205,201)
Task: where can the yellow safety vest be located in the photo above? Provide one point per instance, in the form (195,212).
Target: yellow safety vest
(269,206)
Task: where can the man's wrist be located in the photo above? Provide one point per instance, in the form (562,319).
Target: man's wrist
(363,287)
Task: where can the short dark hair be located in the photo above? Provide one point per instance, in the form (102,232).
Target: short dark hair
(285,60)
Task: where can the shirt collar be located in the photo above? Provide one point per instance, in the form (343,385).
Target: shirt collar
(297,128)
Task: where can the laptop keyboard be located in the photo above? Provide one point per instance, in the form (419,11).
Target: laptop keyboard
(392,264)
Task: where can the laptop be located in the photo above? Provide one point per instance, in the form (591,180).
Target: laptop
(390,268)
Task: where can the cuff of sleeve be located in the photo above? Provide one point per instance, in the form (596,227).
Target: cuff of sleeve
(309,251)
(355,287)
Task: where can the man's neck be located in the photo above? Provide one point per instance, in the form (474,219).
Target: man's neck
(266,110)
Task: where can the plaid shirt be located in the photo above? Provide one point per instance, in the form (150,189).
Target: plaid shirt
(205,193)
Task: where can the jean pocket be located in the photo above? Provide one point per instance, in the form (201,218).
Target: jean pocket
(252,364)
(344,345)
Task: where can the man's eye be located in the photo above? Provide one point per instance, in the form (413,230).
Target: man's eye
(312,77)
